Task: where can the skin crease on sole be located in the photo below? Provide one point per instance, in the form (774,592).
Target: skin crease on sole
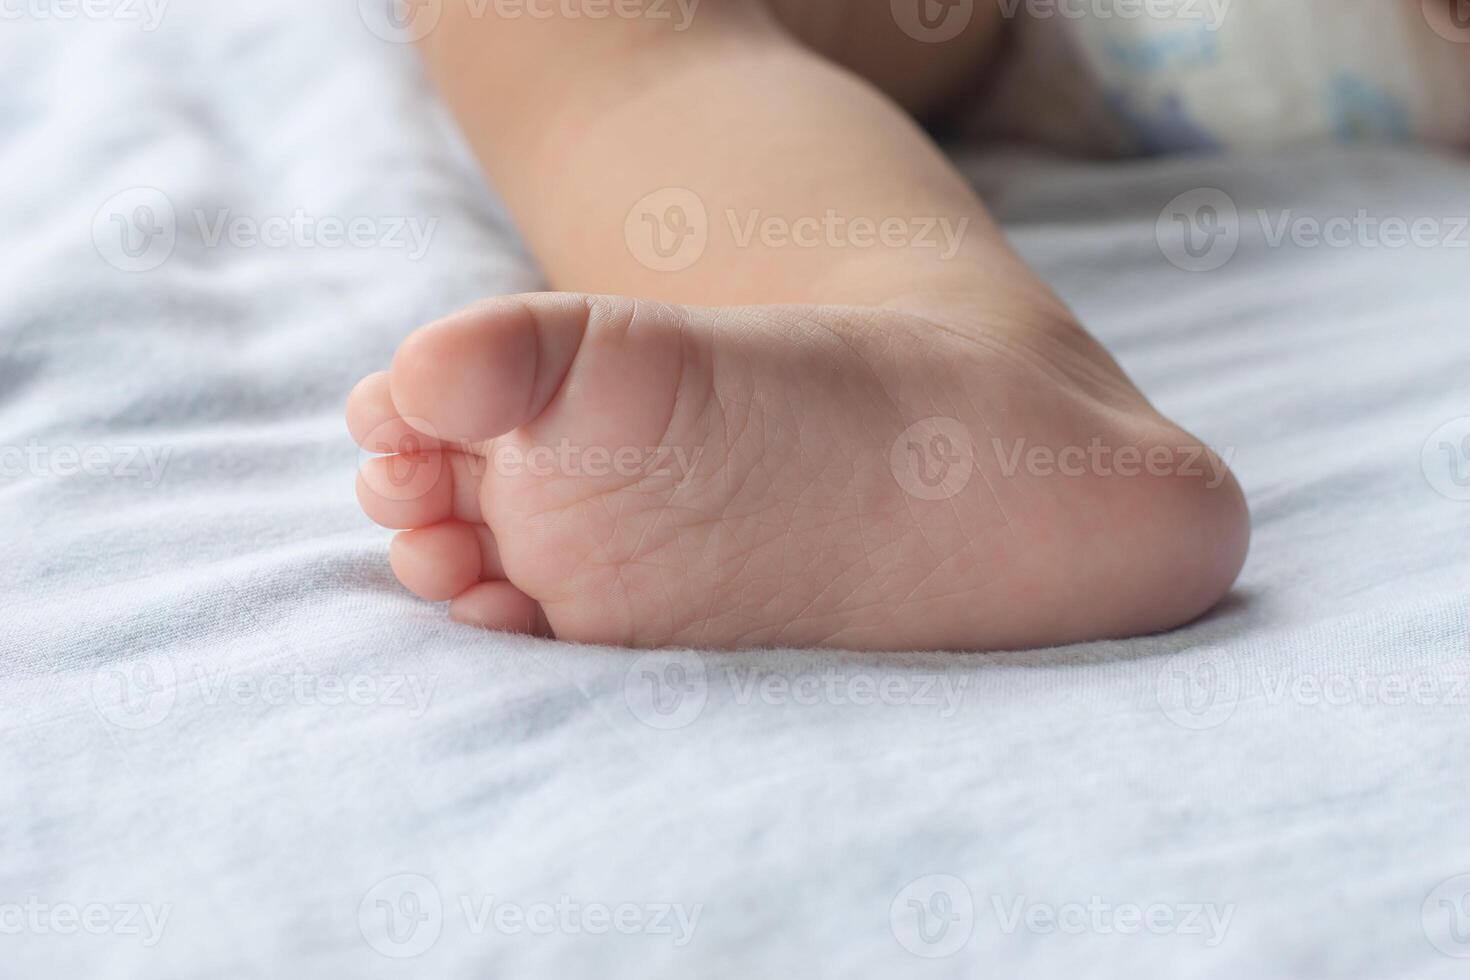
(615,471)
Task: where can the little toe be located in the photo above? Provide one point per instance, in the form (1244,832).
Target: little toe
(499,606)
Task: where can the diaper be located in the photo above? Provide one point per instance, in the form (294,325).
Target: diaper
(1177,76)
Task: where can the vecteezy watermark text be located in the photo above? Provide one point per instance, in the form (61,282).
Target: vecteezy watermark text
(1209,13)
(35,917)
(1098,916)
(147,14)
(137,230)
(938,21)
(404,471)
(669,690)
(403,915)
(840,688)
(409,21)
(143,463)
(568,459)
(1098,458)
(1201,230)
(1200,690)
(670,229)
(935,915)
(567,916)
(933,459)
(299,687)
(140,694)
(301,229)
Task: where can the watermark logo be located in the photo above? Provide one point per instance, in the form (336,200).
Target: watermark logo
(936,915)
(666,690)
(1201,692)
(1198,691)
(932,21)
(667,230)
(933,916)
(136,229)
(1450,19)
(300,229)
(933,459)
(411,465)
(1445,459)
(670,230)
(1199,231)
(400,21)
(401,916)
(136,695)
(1445,916)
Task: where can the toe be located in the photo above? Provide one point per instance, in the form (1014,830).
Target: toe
(491,368)
(419,489)
(499,606)
(375,423)
(438,562)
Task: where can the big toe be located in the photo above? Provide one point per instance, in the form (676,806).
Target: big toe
(491,367)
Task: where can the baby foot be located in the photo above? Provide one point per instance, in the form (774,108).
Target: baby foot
(955,476)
